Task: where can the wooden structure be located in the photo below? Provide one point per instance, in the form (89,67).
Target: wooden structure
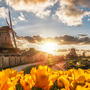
(5,39)
(72,53)
(6,45)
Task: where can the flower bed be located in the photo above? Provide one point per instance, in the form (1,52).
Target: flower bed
(44,78)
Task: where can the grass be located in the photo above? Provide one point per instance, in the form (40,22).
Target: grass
(83,64)
(73,59)
(28,69)
(79,58)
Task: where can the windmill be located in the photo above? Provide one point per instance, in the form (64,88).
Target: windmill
(12,31)
(5,38)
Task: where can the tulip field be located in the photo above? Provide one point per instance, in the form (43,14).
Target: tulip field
(43,78)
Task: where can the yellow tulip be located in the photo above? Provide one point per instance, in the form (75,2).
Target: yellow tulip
(9,79)
(43,77)
(62,81)
(3,78)
(81,79)
(73,85)
(12,73)
(81,88)
(33,73)
(27,82)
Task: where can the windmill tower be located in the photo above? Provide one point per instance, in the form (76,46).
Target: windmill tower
(5,37)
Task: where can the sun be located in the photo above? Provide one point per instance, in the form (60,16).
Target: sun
(49,47)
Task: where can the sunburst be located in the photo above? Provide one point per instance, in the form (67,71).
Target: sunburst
(49,47)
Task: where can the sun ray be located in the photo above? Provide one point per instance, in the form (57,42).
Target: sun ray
(49,47)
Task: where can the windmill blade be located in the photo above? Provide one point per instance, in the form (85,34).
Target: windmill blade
(12,30)
(7,22)
(9,26)
(10,19)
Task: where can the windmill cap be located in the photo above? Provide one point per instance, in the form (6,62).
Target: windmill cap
(5,27)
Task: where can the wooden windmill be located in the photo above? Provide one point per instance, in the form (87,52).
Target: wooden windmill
(5,38)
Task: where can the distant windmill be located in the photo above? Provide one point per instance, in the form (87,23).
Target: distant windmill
(5,38)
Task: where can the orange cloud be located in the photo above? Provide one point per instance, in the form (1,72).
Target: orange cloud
(69,14)
(34,1)
(36,6)
(75,3)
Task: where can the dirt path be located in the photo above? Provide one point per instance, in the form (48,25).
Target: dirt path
(19,68)
(57,66)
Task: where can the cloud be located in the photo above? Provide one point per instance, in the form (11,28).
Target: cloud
(14,22)
(88,19)
(85,40)
(70,14)
(21,18)
(22,43)
(75,3)
(38,38)
(61,40)
(61,50)
(3,12)
(82,34)
(39,7)
(67,40)
(48,39)
(31,39)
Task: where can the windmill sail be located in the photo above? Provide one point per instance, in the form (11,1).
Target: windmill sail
(7,22)
(9,27)
(12,30)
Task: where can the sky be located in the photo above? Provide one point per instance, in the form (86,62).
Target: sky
(63,23)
